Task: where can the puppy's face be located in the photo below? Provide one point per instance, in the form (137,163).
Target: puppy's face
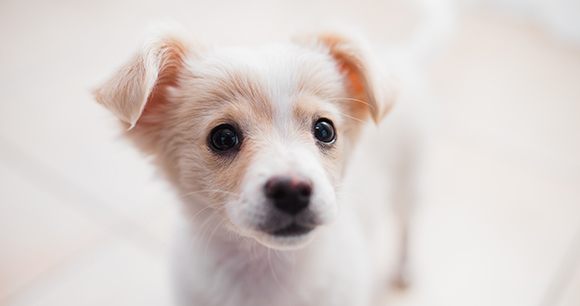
(266,138)
(259,136)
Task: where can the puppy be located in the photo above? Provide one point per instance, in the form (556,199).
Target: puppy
(287,175)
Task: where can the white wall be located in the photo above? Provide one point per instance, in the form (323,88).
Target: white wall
(559,17)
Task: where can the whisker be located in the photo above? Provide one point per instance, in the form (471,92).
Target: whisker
(211,236)
(210,191)
(352,99)
(205,225)
(199,212)
(201,230)
(293,261)
(278,255)
(255,249)
(351,117)
(276,277)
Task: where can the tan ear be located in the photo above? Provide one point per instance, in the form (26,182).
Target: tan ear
(142,81)
(363,76)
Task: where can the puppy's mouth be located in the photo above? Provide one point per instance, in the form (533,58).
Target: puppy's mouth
(280,225)
(282,231)
(291,230)
(289,233)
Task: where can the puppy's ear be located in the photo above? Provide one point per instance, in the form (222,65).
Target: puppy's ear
(362,75)
(136,92)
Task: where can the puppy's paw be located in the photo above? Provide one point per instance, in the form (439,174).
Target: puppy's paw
(403,277)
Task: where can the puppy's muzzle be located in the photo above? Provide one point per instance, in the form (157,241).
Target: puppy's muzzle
(289,194)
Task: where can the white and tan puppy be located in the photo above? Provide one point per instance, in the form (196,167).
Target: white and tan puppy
(288,184)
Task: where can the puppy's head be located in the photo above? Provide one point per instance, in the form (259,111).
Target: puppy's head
(259,136)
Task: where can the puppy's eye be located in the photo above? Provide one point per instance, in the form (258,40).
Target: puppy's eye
(224,137)
(324,130)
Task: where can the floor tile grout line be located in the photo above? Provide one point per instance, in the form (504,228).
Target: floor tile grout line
(71,259)
(54,183)
(62,188)
(570,260)
(86,204)
(151,249)
(563,274)
(73,256)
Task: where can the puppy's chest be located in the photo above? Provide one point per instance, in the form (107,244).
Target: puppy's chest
(327,275)
(284,278)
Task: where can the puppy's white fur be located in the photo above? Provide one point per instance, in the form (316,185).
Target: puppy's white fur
(175,91)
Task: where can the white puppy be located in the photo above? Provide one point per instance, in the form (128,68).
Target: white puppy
(288,184)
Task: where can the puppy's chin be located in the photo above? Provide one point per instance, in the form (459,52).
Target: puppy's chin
(285,242)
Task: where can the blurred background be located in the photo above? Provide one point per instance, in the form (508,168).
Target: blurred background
(85,220)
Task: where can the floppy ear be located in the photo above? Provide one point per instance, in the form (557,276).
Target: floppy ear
(362,75)
(136,92)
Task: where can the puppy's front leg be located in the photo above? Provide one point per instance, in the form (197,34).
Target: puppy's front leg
(403,209)
(409,185)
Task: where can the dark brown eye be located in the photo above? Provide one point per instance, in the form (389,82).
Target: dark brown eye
(324,130)
(224,137)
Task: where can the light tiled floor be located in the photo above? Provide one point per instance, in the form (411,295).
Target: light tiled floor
(38,231)
(85,221)
(113,272)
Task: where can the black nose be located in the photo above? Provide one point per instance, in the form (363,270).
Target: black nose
(290,194)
